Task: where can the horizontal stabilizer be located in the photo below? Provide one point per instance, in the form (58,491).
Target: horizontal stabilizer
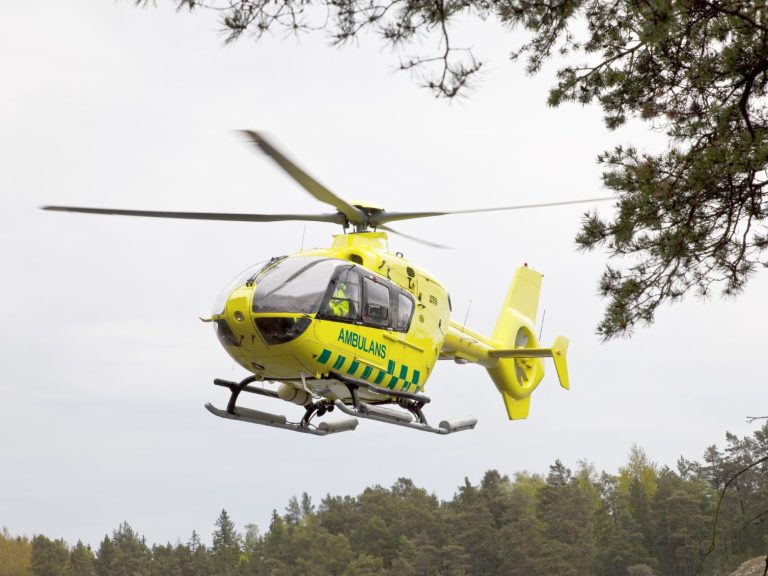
(522,353)
(557,353)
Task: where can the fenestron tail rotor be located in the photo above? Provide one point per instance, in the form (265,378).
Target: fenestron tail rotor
(362,216)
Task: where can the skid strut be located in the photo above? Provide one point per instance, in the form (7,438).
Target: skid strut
(413,416)
(319,408)
(413,403)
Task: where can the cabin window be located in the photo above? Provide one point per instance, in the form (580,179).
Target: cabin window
(357,297)
(404,312)
(376,303)
(296,284)
(342,301)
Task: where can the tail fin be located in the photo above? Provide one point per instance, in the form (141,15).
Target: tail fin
(520,368)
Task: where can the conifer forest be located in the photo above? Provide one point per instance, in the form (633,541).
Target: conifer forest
(704,517)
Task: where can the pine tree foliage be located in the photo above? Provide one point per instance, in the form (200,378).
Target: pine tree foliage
(81,560)
(646,520)
(49,557)
(225,550)
(124,554)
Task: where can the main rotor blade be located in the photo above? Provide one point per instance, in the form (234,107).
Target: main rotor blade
(332,218)
(384,217)
(354,215)
(427,242)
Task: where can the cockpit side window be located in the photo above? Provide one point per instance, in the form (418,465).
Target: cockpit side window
(404,312)
(342,301)
(375,303)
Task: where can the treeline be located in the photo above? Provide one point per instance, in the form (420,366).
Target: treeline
(646,520)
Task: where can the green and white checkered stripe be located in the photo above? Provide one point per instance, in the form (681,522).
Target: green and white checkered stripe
(393,378)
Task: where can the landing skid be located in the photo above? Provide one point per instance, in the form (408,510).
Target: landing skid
(413,417)
(278,421)
(234,412)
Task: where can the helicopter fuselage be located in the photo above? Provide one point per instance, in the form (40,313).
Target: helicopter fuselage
(277,322)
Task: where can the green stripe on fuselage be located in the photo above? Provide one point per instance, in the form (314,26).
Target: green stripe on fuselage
(392,368)
(339,362)
(325,355)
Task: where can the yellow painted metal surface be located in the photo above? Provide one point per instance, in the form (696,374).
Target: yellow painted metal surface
(512,354)
(386,358)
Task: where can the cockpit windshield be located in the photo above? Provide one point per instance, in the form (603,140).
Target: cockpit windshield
(294,284)
(239,280)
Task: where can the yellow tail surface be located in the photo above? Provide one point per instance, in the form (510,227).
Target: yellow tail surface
(520,367)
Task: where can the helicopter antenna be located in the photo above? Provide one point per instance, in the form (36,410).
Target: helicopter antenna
(541,328)
(303,233)
(469,307)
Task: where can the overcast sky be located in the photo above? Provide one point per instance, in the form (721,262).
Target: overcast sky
(106,366)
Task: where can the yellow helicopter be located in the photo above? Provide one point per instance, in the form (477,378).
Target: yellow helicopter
(357,328)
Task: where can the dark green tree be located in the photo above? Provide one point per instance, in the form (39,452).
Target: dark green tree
(81,560)
(425,560)
(566,512)
(49,557)
(194,558)
(166,561)
(455,560)
(307,508)
(293,513)
(105,557)
(125,554)
(277,541)
(225,549)
(618,536)
(680,510)
(640,570)
(521,542)
(478,515)
(690,217)
(403,564)
(365,565)
(317,552)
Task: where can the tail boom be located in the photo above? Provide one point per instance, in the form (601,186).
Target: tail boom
(512,355)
